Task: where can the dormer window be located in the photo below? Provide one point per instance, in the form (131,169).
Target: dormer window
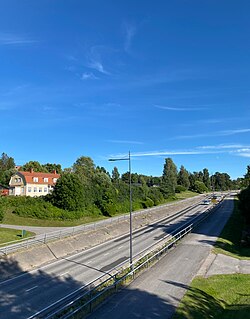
(46,180)
(35,179)
(54,180)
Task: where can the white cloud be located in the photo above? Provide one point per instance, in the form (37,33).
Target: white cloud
(218,133)
(88,76)
(179,109)
(130,31)
(98,66)
(125,142)
(13,39)
(230,149)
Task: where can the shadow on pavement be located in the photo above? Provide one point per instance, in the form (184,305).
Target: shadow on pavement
(21,299)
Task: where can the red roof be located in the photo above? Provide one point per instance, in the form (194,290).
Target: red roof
(29,177)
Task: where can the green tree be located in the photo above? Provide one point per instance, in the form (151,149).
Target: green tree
(84,167)
(206,178)
(169,178)
(200,187)
(49,167)
(246,181)
(68,193)
(35,165)
(7,168)
(115,175)
(183,177)
(244,204)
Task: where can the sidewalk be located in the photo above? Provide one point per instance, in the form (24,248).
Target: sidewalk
(223,265)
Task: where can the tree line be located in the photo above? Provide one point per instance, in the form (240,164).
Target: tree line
(85,187)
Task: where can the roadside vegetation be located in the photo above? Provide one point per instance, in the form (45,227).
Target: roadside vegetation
(217,297)
(8,235)
(86,192)
(230,240)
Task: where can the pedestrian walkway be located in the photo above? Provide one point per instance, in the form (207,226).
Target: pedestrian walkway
(223,265)
(34,229)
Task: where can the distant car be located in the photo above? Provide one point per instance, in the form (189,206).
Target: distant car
(206,202)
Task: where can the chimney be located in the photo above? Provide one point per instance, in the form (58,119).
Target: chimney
(54,171)
(31,170)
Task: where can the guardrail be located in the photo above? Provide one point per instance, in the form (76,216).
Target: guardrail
(83,301)
(72,231)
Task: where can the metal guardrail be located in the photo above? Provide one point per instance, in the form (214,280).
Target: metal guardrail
(82,301)
(72,231)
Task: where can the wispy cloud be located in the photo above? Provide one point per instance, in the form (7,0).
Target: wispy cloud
(130,31)
(125,142)
(98,66)
(218,133)
(180,109)
(14,39)
(88,76)
(230,149)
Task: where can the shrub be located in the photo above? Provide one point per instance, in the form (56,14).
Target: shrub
(180,188)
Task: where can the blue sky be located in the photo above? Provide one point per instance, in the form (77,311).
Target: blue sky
(99,78)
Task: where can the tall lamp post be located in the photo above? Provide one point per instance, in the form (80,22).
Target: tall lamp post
(130,204)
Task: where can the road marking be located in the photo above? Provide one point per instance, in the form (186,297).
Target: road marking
(66,273)
(27,290)
(106,254)
(119,247)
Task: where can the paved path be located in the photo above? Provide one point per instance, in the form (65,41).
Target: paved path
(34,229)
(222,264)
(157,292)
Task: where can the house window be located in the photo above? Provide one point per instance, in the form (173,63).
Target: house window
(45,190)
(35,179)
(29,189)
(35,189)
(45,179)
(54,180)
(40,189)
(17,180)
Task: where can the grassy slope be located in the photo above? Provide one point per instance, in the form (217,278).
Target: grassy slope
(221,296)
(217,297)
(228,242)
(13,219)
(7,235)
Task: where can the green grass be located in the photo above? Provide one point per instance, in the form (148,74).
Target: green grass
(217,297)
(13,219)
(228,243)
(7,235)
(186,194)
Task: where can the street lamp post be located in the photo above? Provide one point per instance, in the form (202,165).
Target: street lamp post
(130,205)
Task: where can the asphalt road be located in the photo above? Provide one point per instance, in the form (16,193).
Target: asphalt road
(157,292)
(31,292)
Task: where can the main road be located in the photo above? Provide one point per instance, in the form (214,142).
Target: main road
(30,293)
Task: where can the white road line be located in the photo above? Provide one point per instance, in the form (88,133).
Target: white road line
(106,254)
(66,273)
(119,247)
(27,290)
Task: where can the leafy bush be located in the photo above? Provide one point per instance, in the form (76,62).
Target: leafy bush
(1,214)
(180,188)
(200,187)
(147,203)
(244,204)
(39,208)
